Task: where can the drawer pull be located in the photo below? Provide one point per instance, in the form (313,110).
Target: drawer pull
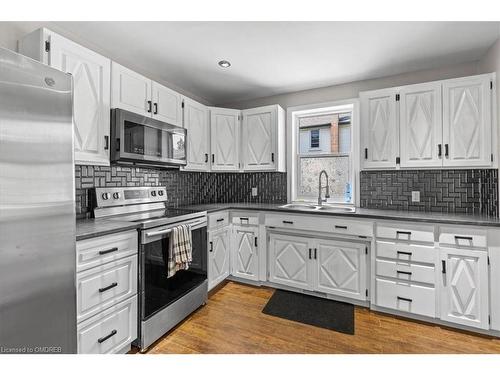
(404,273)
(404,299)
(403,232)
(244,219)
(287,222)
(340,226)
(219,220)
(102,339)
(405,253)
(112,250)
(108,287)
(465,238)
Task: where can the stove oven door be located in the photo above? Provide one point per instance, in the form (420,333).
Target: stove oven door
(157,289)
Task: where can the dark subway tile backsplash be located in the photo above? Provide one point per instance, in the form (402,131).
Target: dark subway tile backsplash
(183,188)
(457,191)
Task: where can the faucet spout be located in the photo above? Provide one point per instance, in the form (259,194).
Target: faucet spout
(320,187)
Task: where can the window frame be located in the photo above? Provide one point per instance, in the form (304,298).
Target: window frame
(293,155)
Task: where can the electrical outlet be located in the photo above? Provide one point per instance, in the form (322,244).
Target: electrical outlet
(254,192)
(415,196)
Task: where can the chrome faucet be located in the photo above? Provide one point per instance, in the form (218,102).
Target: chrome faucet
(327,194)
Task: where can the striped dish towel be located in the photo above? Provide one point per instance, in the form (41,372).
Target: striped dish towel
(180,250)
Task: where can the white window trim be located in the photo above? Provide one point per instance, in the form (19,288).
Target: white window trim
(292,136)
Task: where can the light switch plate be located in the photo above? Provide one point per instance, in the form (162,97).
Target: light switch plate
(254,192)
(415,196)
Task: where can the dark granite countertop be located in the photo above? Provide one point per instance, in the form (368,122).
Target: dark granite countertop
(90,228)
(424,217)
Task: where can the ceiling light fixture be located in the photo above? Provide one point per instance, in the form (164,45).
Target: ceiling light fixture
(224,64)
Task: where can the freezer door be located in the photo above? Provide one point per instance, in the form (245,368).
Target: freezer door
(37,211)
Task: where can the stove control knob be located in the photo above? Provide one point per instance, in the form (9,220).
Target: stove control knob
(116,195)
(105,196)
(160,193)
(153,193)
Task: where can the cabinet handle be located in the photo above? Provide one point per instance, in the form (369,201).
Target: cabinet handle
(466,238)
(340,226)
(149,106)
(404,273)
(206,158)
(310,251)
(404,253)
(213,158)
(366,153)
(255,242)
(446,151)
(156,108)
(112,250)
(439,149)
(108,287)
(403,232)
(315,253)
(211,246)
(272,157)
(219,220)
(106,142)
(243,219)
(287,222)
(102,339)
(404,299)
(443,266)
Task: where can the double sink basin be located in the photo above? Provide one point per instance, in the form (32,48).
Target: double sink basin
(314,207)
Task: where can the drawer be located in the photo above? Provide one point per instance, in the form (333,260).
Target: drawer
(97,251)
(410,298)
(406,271)
(218,220)
(400,232)
(463,237)
(103,286)
(111,331)
(320,223)
(245,220)
(403,252)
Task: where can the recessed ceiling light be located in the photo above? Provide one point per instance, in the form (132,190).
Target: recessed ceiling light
(224,64)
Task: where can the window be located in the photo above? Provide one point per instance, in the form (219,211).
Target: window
(315,138)
(323,141)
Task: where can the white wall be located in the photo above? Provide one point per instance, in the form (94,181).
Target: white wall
(11,32)
(352,90)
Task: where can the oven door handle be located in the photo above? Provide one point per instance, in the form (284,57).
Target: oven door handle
(194,226)
(157,233)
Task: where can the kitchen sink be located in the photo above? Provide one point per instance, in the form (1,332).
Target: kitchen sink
(313,207)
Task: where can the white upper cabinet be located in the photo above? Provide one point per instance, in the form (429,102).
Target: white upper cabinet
(380,144)
(91,82)
(198,136)
(441,124)
(225,136)
(130,90)
(464,298)
(167,105)
(467,128)
(420,125)
(262,132)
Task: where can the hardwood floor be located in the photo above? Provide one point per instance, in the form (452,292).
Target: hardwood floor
(232,322)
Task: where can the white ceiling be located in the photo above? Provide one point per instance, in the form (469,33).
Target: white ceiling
(270,58)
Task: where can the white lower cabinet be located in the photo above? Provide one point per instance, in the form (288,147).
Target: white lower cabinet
(464,298)
(218,256)
(324,265)
(289,261)
(110,331)
(106,283)
(341,268)
(245,252)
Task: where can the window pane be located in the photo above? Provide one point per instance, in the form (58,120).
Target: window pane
(337,168)
(315,138)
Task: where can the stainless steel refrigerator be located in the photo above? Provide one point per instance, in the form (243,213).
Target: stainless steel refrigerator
(37,210)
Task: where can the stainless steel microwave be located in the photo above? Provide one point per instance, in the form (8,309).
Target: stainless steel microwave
(142,140)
